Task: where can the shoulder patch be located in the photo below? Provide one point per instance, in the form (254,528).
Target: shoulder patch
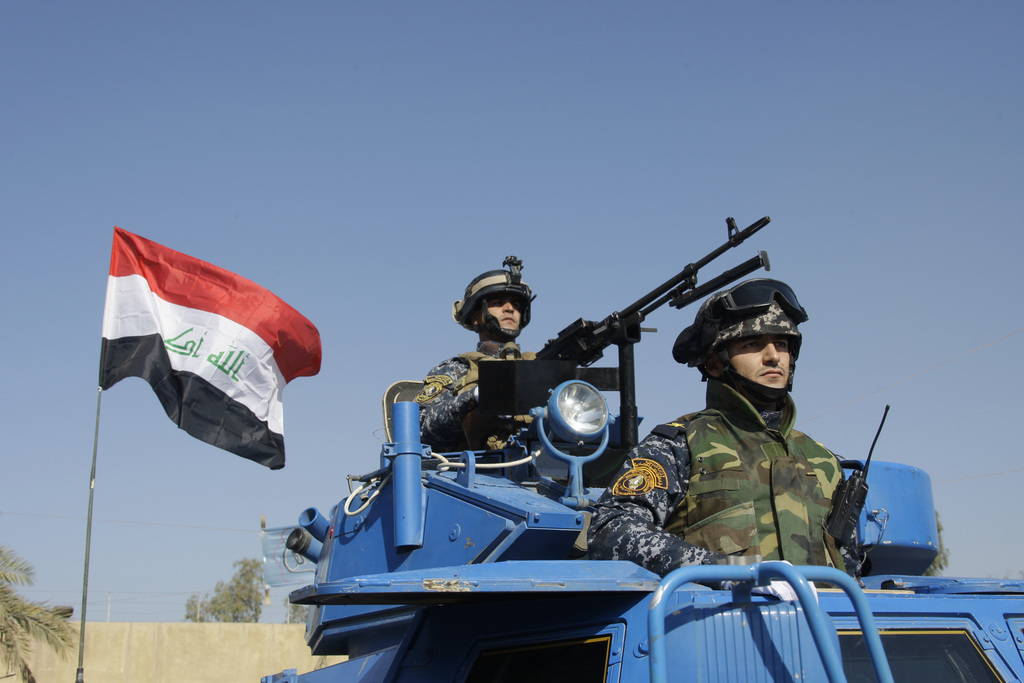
(644,476)
(432,386)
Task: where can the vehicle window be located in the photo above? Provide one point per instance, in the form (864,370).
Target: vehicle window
(947,656)
(584,660)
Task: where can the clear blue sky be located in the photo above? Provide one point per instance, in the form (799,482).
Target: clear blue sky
(365,160)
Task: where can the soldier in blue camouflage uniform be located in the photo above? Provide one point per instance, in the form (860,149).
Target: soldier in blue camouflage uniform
(496,306)
(734,480)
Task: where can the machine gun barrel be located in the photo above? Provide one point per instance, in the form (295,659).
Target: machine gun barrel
(687,278)
(713,285)
(584,341)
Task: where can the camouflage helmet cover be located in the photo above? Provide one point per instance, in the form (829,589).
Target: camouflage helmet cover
(720,321)
(489,284)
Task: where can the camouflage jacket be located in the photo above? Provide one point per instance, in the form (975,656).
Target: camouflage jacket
(662,514)
(448,422)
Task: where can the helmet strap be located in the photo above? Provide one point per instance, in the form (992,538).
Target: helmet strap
(493,328)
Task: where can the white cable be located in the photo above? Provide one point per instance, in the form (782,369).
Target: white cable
(447,464)
(379,483)
(444,466)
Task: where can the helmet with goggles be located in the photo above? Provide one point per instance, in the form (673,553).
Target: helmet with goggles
(753,308)
(494,283)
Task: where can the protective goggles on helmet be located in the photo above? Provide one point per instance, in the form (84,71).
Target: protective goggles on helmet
(755,296)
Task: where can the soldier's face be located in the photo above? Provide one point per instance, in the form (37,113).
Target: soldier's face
(506,309)
(764,360)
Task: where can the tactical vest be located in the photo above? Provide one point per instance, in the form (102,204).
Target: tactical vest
(490,431)
(756,491)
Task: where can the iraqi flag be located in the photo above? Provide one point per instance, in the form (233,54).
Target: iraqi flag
(216,348)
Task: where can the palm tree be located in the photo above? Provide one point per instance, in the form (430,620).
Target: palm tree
(22,622)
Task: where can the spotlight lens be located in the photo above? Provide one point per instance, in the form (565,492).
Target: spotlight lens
(583,408)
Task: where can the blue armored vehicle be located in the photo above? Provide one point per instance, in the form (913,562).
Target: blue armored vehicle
(471,566)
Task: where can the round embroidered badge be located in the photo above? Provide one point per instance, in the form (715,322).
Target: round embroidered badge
(643,477)
(433,386)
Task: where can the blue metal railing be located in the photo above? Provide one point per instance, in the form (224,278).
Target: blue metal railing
(745,578)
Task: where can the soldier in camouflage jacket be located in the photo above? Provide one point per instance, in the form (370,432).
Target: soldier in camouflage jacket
(734,479)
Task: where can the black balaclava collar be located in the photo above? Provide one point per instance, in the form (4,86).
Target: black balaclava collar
(758,394)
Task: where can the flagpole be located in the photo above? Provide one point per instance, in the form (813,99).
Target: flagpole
(80,675)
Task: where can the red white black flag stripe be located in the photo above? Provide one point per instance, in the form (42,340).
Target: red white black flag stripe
(216,348)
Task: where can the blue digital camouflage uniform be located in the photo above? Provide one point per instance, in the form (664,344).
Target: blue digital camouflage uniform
(442,409)
(651,492)
(447,401)
(631,527)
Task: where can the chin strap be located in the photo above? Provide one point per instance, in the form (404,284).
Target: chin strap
(494,328)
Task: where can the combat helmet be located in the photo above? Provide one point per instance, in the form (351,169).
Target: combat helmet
(489,284)
(752,308)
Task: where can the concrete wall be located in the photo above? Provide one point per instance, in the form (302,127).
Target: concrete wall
(171,653)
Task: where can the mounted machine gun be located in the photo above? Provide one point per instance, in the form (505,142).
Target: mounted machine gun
(584,341)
